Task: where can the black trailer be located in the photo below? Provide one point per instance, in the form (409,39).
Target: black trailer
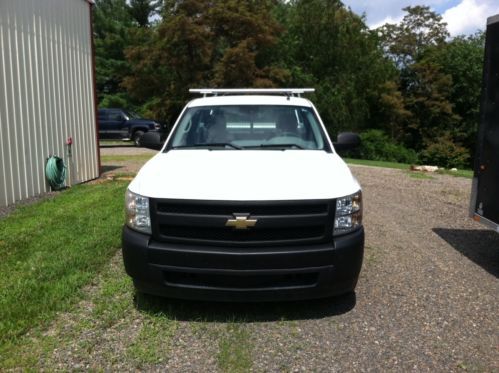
(484,205)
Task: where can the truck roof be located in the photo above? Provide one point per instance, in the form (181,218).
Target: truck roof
(493,19)
(250,100)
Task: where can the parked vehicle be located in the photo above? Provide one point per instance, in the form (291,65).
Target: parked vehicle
(247,200)
(124,125)
(484,201)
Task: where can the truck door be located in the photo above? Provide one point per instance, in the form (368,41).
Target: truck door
(116,124)
(103,124)
(485,199)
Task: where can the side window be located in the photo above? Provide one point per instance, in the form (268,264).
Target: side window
(103,115)
(115,115)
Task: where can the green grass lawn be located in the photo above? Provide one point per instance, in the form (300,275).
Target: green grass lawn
(116,143)
(404,166)
(51,250)
(126,158)
(364,162)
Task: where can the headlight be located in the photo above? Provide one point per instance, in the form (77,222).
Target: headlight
(157,126)
(348,216)
(137,212)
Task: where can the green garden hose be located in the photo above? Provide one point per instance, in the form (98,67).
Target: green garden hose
(55,172)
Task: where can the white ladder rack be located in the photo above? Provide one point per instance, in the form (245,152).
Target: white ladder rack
(296,92)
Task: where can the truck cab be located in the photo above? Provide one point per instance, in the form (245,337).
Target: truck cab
(120,124)
(247,200)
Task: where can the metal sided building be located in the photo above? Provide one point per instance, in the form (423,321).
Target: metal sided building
(47,94)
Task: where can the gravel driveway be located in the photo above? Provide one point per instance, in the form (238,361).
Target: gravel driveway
(428,295)
(427,300)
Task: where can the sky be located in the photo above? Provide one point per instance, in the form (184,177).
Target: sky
(462,16)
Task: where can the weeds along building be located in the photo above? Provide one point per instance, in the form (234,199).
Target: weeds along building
(47,94)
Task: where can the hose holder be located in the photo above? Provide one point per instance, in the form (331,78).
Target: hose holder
(55,172)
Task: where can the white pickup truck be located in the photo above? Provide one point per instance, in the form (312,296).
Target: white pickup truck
(246,201)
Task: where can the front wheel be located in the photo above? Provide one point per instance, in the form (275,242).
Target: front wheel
(137,138)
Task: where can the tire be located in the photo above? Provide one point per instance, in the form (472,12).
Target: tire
(137,137)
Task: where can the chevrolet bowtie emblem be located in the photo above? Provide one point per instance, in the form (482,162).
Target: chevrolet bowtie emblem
(241,222)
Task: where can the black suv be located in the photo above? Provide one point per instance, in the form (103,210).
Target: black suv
(124,125)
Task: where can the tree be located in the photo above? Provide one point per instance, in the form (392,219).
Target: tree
(425,87)
(427,98)
(331,48)
(142,10)
(393,111)
(419,29)
(112,23)
(244,34)
(198,43)
(462,59)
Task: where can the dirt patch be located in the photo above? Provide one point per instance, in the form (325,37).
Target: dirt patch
(123,161)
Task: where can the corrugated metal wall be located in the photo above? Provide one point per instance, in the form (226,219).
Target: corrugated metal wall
(46,93)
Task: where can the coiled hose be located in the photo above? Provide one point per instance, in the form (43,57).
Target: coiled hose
(55,172)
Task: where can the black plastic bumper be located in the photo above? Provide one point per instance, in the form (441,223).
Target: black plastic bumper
(250,274)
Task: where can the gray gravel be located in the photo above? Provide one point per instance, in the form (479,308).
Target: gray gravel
(125,150)
(427,299)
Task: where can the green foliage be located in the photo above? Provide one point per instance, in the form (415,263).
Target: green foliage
(377,146)
(445,153)
(427,98)
(119,100)
(393,111)
(329,47)
(419,29)
(408,80)
(142,10)
(462,59)
(439,86)
(198,43)
(112,22)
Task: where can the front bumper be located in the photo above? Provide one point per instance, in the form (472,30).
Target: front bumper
(243,274)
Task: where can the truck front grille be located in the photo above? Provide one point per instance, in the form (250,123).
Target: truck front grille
(233,235)
(277,223)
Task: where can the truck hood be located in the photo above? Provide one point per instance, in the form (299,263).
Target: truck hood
(245,175)
(140,121)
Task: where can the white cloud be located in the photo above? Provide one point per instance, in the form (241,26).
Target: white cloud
(377,11)
(462,16)
(469,16)
(388,19)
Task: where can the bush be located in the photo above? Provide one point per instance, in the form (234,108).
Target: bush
(377,146)
(114,101)
(445,153)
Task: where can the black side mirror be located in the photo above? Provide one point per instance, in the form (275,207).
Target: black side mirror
(347,140)
(151,140)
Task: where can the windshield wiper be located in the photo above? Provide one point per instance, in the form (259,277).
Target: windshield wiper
(207,145)
(290,145)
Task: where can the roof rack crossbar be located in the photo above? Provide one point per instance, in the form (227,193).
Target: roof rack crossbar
(297,92)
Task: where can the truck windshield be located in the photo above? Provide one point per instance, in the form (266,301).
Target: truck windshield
(248,127)
(132,115)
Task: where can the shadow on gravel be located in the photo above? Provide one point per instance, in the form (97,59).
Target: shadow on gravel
(108,168)
(184,310)
(481,246)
